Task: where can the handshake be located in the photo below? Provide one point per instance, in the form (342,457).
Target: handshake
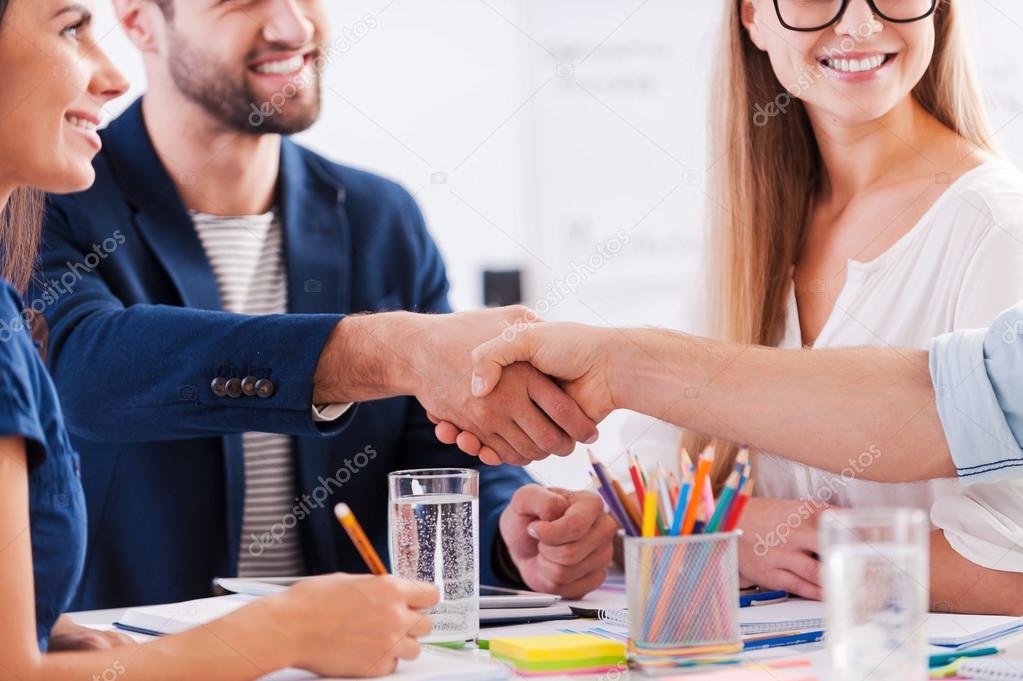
(499,383)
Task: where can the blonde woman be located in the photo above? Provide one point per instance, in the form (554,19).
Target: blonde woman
(860,204)
(856,200)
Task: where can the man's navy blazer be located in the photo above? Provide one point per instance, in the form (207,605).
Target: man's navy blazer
(137,335)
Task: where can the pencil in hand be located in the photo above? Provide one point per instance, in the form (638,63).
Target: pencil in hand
(359,538)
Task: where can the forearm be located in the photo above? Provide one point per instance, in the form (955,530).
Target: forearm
(368,357)
(233,648)
(960,585)
(820,407)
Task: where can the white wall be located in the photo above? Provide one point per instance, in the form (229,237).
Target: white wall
(533,132)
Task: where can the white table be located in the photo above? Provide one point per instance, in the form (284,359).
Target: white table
(937,625)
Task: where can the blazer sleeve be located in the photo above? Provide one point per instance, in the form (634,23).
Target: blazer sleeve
(420,447)
(144,372)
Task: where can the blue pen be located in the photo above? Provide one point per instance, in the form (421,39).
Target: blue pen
(790,640)
(762,598)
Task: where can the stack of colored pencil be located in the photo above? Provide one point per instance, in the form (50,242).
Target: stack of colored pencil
(666,505)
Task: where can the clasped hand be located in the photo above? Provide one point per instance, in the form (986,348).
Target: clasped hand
(575,354)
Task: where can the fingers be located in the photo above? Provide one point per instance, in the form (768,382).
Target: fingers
(558,580)
(469,443)
(600,538)
(543,433)
(417,595)
(446,432)
(504,451)
(538,502)
(489,360)
(407,648)
(563,411)
(585,510)
(422,626)
(568,567)
(799,574)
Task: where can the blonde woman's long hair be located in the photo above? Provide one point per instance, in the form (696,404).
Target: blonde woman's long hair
(767,172)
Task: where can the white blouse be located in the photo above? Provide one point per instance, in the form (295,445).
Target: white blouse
(957,268)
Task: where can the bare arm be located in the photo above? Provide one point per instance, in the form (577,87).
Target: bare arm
(960,585)
(291,629)
(819,407)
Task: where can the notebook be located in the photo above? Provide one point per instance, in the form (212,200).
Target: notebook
(975,639)
(995,669)
(431,665)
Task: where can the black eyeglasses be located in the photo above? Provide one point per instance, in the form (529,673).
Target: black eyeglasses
(817,15)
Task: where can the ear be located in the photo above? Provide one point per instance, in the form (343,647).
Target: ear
(749,16)
(141,21)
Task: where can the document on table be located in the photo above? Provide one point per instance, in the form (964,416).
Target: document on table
(431,665)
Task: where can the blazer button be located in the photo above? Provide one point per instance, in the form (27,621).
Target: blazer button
(249,385)
(265,388)
(219,386)
(234,387)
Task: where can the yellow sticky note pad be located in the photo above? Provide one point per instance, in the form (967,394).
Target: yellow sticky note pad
(556,648)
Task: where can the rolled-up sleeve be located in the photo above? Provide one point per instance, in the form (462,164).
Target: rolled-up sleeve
(978,380)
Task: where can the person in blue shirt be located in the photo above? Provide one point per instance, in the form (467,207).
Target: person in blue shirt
(56,82)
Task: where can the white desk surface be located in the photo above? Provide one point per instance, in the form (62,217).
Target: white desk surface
(612,597)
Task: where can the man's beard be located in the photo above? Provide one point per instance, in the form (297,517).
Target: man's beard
(232,102)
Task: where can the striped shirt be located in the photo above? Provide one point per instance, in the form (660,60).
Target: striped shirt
(247,258)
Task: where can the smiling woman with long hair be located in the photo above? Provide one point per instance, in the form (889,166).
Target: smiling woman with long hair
(56,81)
(855,199)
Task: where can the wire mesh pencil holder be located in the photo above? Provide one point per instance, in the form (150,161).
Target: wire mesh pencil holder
(683,595)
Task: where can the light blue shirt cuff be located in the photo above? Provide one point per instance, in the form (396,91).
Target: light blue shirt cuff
(982,444)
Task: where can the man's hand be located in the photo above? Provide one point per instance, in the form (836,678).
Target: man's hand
(66,635)
(428,356)
(577,355)
(560,541)
(778,546)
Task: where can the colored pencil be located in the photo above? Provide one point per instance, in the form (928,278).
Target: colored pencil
(739,506)
(606,490)
(637,479)
(650,514)
(664,496)
(347,519)
(609,495)
(699,480)
(680,508)
(724,505)
(628,503)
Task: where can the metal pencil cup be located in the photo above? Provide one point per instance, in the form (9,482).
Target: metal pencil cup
(683,594)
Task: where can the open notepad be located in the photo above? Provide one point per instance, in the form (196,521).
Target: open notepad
(432,665)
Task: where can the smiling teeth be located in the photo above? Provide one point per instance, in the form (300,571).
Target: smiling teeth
(82,123)
(284,66)
(855,65)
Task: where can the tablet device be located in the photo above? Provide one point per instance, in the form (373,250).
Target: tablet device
(499,597)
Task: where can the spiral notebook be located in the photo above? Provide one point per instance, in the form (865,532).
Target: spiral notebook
(1000,669)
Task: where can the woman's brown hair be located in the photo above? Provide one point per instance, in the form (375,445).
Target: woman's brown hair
(769,171)
(20,223)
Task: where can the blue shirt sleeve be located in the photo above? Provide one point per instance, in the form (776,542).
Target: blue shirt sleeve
(19,365)
(977,379)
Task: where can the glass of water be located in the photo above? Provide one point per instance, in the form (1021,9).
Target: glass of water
(876,585)
(433,532)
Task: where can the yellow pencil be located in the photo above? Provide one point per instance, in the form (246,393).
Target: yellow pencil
(650,514)
(359,538)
